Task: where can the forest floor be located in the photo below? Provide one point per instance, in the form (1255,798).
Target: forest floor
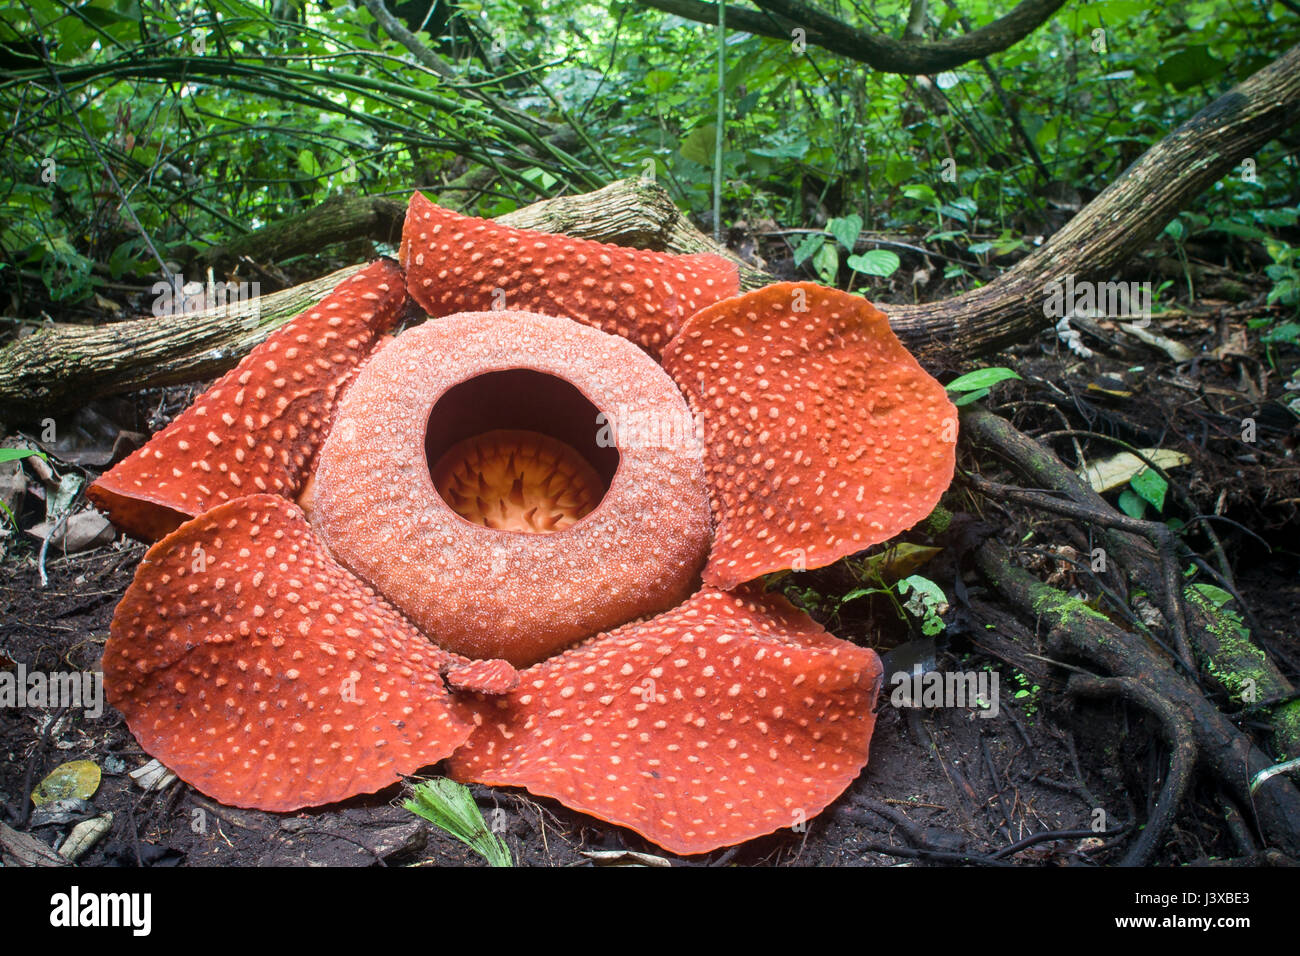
(943,785)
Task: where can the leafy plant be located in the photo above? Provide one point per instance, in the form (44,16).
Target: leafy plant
(975,385)
(451,808)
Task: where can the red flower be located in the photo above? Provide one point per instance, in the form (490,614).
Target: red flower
(526,544)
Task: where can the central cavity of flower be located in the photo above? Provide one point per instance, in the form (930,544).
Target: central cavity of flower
(514,480)
(516,450)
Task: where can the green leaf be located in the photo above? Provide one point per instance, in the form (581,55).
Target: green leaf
(1131,504)
(969,397)
(450,807)
(1151,487)
(846,229)
(898,169)
(826,261)
(13,454)
(811,243)
(1288,332)
(1217,595)
(659,81)
(1189,67)
(877,262)
(793,148)
(308,163)
(700,143)
(980,378)
(954,212)
(920,191)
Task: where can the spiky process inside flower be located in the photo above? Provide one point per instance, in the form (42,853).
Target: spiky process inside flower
(516,480)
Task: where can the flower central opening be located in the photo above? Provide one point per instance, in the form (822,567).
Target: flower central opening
(518,450)
(514,480)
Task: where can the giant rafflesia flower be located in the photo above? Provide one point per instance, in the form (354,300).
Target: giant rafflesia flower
(524,536)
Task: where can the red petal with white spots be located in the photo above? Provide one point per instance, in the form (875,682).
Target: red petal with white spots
(257,429)
(264,674)
(456,263)
(823,434)
(729,717)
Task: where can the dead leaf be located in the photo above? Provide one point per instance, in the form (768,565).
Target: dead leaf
(1119,469)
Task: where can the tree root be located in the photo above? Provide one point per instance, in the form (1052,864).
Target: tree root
(1182,755)
(1076,630)
(1231,662)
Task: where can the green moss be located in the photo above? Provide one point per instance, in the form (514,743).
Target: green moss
(1064,608)
(939,520)
(1243,669)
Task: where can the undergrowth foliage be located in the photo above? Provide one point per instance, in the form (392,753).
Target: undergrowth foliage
(142,132)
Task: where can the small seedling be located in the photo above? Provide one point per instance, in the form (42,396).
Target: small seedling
(450,807)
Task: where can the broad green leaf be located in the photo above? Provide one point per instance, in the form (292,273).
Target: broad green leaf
(980,378)
(1217,595)
(1151,486)
(810,244)
(308,163)
(700,143)
(1131,504)
(877,262)
(659,81)
(826,262)
(846,229)
(1189,67)
(920,191)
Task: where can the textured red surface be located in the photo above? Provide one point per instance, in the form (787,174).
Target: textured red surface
(455,264)
(823,434)
(484,677)
(731,716)
(257,429)
(264,674)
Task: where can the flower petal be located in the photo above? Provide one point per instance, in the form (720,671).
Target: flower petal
(257,429)
(822,433)
(493,676)
(456,263)
(729,717)
(264,674)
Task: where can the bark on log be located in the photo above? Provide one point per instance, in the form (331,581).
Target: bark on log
(778,18)
(60,366)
